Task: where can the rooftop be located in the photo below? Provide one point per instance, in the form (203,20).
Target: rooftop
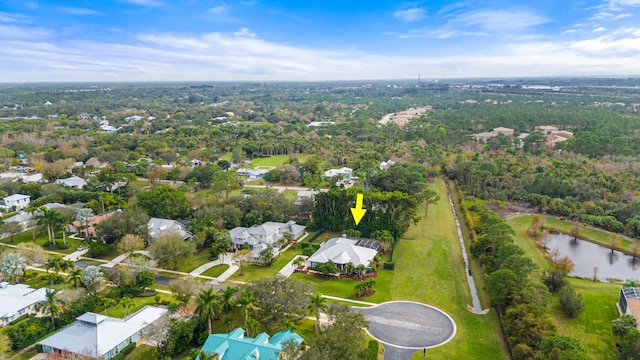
(17,297)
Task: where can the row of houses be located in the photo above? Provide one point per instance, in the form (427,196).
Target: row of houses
(552,133)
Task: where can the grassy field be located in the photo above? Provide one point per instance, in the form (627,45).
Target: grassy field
(593,326)
(139,302)
(216,270)
(253,272)
(325,236)
(275,160)
(25,355)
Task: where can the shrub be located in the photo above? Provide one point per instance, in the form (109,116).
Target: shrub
(313,236)
(19,319)
(122,354)
(554,279)
(305,245)
(308,251)
(373,350)
(327,268)
(389,266)
(570,302)
(315,246)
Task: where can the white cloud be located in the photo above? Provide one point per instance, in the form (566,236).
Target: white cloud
(409,15)
(148,3)
(503,21)
(599,29)
(244,32)
(13,18)
(217,10)
(79,11)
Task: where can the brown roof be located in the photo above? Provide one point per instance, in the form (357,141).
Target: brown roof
(633,308)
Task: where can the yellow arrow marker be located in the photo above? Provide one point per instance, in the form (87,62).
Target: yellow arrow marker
(358,211)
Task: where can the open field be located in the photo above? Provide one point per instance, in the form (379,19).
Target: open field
(593,326)
(191,263)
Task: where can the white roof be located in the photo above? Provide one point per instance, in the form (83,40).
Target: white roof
(341,171)
(17,297)
(37,177)
(20,217)
(16,197)
(343,251)
(74,181)
(158,227)
(97,334)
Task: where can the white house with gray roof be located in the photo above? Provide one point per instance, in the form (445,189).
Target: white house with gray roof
(15,201)
(72,182)
(100,336)
(342,251)
(269,233)
(159,227)
(18,300)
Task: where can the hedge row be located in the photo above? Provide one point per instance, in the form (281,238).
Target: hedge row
(373,350)
(122,354)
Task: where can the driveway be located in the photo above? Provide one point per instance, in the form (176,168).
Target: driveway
(405,327)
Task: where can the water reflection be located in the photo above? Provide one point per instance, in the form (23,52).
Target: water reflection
(586,256)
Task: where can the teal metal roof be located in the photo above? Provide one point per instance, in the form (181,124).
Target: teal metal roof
(236,346)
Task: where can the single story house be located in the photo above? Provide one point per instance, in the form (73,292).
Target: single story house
(159,227)
(35,177)
(236,346)
(252,174)
(90,224)
(93,161)
(546,129)
(18,300)
(269,233)
(629,302)
(342,251)
(72,182)
(22,218)
(385,165)
(101,336)
(343,173)
(305,194)
(15,201)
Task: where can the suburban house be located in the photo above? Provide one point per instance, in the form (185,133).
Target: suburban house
(15,201)
(72,182)
(629,302)
(84,116)
(385,165)
(236,346)
(94,162)
(18,300)
(546,129)
(89,224)
(485,136)
(344,173)
(34,177)
(342,251)
(269,233)
(504,131)
(159,227)
(305,194)
(101,336)
(22,218)
(253,174)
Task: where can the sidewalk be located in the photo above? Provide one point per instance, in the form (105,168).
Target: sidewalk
(120,258)
(290,268)
(227,260)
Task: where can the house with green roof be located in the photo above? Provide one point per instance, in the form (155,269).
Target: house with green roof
(236,346)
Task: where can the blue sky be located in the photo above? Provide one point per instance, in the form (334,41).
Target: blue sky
(156,40)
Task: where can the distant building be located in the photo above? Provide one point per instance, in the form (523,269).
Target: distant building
(269,233)
(252,174)
(133,118)
(159,227)
(15,202)
(236,346)
(72,182)
(84,116)
(305,194)
(504,131)
(546,129)
(90,223)
(385,165)
(100,336)
(344,173)
(18,300)
(94,162)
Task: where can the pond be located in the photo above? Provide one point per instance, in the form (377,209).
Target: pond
(587,255)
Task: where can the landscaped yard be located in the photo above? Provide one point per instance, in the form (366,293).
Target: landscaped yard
(325,236)
(254,272)
(40,240)
(593,326)
(25,355)
(142,352)
(193,262)
(216,270)
(139,302)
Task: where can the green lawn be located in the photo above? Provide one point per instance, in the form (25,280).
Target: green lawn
(142,352)
(25,355)
(41,239)
(193,262)
(593,326)
(216,270)
(253,272)
(290,195)
(275,160)
(139,302)
(325,236)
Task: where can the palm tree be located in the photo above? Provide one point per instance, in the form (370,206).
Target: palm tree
(208,306)
(62,222)
(52,305)
(318,303)
(246,302)
(205,355)
(252,326)
(48,218)
(126,303)
(228,300)
(75,276)
(299,262)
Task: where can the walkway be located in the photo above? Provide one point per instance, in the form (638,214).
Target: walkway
(290,268)
(120,258)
